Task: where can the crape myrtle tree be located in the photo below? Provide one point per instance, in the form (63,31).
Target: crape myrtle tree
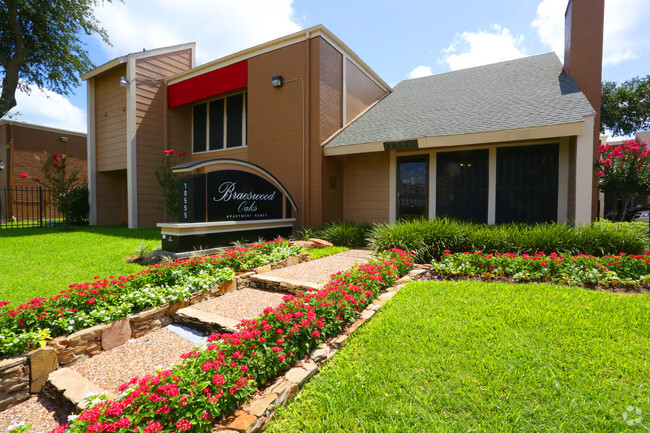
(624,171)
(40,45)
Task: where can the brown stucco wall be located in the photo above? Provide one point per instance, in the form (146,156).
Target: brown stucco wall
(366,187)
(275,117)
(361,91)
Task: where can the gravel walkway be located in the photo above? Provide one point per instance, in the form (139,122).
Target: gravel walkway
(242,304)
(40,411)
(318,271)
(138,357)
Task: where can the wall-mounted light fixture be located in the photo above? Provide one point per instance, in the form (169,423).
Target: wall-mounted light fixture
(124,82)
(63,139)
(277,81)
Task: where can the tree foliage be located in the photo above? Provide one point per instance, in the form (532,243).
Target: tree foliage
(625,108)
(40,45)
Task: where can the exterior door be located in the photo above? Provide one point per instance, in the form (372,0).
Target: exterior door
(412,187)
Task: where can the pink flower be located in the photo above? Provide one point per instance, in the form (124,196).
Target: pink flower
(24,175)
(218,380)
(184,424)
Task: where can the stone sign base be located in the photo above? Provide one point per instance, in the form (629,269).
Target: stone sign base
(181,237)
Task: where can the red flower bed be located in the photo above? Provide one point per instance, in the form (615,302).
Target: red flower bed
(217,378)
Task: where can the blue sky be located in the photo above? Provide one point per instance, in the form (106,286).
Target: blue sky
(398,39)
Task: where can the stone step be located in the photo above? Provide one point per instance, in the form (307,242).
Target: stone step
(205,321)
(70,389)
(282,284)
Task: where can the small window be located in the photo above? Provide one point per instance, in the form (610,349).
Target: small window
(219,124)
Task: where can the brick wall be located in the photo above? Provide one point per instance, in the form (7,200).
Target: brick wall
(583,55)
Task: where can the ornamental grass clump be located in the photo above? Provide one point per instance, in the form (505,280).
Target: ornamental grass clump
(107,299)
(429,238)
(217,377)
(622,271)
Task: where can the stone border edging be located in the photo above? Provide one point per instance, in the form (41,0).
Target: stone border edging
(256,414)
(26,374)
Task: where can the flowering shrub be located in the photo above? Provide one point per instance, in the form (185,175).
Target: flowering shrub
(108,299)
(69,193)
(217,377)
(624,170)
(622,269)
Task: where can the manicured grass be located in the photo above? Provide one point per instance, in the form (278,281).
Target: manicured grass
(319,253)
(472,356)
(42,262)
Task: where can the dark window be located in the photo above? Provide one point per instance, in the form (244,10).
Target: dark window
(412,186)
(462,185)
(216,124)
(235,106)
(219,124)
(199,130)
(527,184)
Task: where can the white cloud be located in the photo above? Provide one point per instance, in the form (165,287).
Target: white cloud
(624,36)
(420,71)
(483,47)
(44,107)
(219,27)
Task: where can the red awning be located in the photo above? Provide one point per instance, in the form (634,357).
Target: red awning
(211,83)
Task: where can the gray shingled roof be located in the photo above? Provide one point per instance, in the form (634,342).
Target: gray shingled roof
(522,93)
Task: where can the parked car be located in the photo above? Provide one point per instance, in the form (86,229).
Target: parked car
(641,216)
(629,215)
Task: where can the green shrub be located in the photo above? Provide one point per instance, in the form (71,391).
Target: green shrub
(340,233)
(428,239)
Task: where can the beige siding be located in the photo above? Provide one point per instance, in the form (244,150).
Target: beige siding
(150,128)
(111,197)
(361,91)
(110,120)
(366,187)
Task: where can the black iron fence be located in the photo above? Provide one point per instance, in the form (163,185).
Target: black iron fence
(28,206)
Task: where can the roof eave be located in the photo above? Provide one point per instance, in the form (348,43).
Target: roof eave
(476,138)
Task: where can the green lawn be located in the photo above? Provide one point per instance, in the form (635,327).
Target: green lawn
(478,357)
(42,262)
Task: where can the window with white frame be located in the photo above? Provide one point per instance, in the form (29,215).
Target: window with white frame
(219,124)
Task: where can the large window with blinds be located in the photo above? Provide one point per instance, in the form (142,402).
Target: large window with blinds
(462,185)
(527,184)
(219,124)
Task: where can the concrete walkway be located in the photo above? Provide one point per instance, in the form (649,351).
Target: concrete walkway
(309,275)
